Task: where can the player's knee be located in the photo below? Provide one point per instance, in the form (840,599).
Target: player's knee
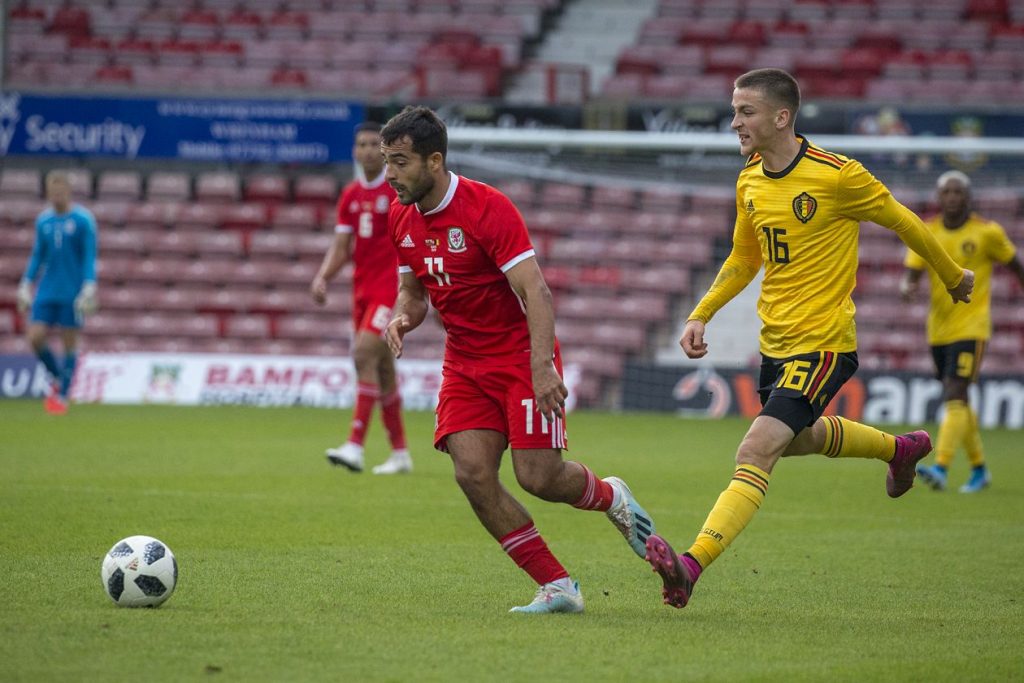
(36,338)
(537,483)
(364,359)
(955,390)
(752,452)
(474,479)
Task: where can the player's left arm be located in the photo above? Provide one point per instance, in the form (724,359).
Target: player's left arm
(87,300)
(862,197)
(528,283)
(959,281)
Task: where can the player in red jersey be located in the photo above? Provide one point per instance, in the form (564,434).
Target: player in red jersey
(465,246)
(362,236)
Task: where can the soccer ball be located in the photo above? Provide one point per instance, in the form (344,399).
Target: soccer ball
(139,571)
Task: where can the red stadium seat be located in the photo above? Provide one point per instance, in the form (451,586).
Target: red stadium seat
(70,20)
(221,53)
(199,24)
(242,24)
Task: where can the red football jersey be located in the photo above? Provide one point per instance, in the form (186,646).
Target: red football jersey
(460,251)
(363,211)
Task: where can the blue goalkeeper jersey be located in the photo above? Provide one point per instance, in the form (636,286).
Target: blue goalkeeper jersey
(64,253)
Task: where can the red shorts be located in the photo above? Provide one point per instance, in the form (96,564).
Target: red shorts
(500,398)
(371,315)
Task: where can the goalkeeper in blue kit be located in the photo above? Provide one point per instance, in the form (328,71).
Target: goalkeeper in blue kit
(63,261)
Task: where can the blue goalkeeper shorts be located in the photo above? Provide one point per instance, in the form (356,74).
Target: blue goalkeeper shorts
(55,313)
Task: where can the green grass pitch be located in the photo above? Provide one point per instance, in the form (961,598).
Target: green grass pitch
(291,570)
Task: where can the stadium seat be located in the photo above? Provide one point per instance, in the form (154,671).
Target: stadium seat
(248,327)
(200,217)
(318,188)
(296,218)
(123,243)
(562,196)
(244,216)
(18,212)
(15,182)
(168,185)
(81,183)
(219,244)
(110,213)
(125,185)
(615,198)
(218,186)
(266,187)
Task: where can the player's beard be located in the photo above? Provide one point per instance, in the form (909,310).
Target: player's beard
(416,193)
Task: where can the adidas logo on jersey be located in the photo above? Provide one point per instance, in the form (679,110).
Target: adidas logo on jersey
(407,242)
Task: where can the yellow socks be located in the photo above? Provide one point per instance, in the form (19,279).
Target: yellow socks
(848,439)
(734,509)
(972,440)
(952,432)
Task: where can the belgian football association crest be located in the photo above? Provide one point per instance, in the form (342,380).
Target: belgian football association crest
(804,206)
(456,240)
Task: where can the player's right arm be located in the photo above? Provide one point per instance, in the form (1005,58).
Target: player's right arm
(334,260)
(410,310)
(739,269)
(35,260)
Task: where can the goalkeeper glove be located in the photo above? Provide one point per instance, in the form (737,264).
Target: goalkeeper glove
(85,302)
(24,296)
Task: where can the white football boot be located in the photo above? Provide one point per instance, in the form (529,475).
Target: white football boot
(400,462)
(553,597)
(348,455)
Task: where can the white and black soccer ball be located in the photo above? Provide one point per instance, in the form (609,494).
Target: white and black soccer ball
(139,571)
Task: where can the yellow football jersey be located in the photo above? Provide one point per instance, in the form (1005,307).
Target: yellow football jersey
(975,245)
(803,224)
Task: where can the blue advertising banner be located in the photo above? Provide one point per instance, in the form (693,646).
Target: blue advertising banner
(22,376)
(274,131)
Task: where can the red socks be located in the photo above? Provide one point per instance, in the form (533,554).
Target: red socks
(529,551)
(391,415)
(597,494)
(366,396)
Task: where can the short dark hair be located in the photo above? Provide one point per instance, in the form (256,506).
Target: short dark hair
(367,127)
(777,85)
(423,127)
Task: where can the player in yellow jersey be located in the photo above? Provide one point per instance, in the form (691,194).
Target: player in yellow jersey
(958,334)
(799,210)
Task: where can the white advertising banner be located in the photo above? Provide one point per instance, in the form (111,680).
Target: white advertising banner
(216,379)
